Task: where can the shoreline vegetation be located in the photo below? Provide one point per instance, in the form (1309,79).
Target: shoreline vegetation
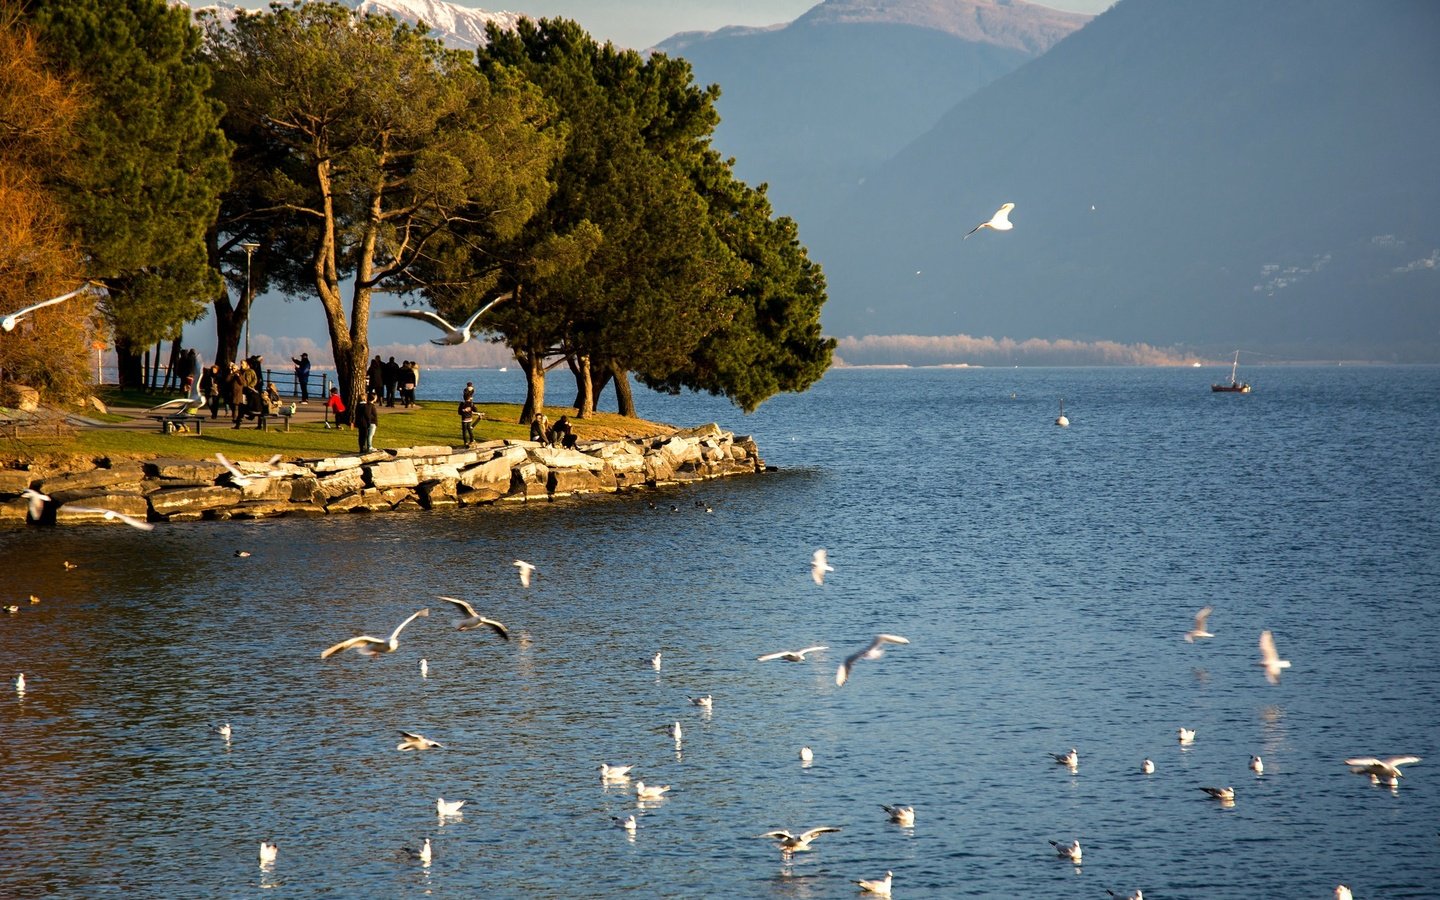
(127,466)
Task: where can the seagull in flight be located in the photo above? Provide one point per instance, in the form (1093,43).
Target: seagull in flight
(791,655)
(37,502)
(1270,658)
(1388,768)
(415,741)
(525,570)
(874,651)
(373,646)
(1198,631)
(790,843)
(240,479)
(9,322)
(453,336)
(476,620)
(113,516)
(819,565)
(1000,221)
(880,886)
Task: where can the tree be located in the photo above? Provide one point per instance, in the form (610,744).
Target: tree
(382,142)
(151,161)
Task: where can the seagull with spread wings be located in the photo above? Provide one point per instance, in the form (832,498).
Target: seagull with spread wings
(9,322)
(453,335)
(1000,221)
(476,620)
(791,655)
(790,843)
(111,515)
(874,651)
(1198,631)
(373,646)
(1270,658)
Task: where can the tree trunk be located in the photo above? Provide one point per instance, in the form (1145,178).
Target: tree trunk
(534,365)
(599,378)
(228,318)
(584,390)
(155,368)
(623,398)
(129,365)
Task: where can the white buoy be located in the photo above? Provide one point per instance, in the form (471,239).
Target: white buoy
(1061,420)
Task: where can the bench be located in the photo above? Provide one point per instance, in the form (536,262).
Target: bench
(178,421)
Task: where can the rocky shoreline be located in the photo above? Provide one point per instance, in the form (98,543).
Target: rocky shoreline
(187,490)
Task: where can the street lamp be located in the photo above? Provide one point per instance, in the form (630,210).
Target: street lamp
(249,247)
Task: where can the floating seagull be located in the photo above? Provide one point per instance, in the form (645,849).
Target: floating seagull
(69,566)
(904,816)
(1380,768)
(1198,631)
(453,336)
(1225,794)
(242,554)
(12,609)
(424,668)
(1343,893)
(110,515)
(224,732)
(373,646)
(525,570)
(655,661)
(414,741)
(476,620)
(614,773)
(34,599)
(676,733)
(20,683)
(819,565)
(37,503)
(423,854)
(646,792)
(791,655)
(1136,894)
(807,755)
(790,843)
(444,808)
(9,322)
(1071,759)
(1148,767)
(874,651)
(1257,765)
(627,823)
(706,702)
(1070,851)
(1000,221)
(879,887)
(1270,658)
(1187,735)
(267,853)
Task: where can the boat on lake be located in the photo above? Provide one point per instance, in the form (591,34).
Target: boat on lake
(1235,386)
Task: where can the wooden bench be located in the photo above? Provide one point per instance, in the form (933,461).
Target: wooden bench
(179,421)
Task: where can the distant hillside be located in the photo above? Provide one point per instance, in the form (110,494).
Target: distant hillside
(1217,174)
(457,26)
(813,106)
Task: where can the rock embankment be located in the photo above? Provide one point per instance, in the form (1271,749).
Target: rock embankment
(180,490)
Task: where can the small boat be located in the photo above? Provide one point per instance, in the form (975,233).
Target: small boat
(1234,387)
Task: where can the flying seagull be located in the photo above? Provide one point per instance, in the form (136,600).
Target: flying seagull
(819,565)
(1000,221)
(415,741)
(880,886)
(373,646)
(790,843)
(790,655)
(874,651)
(240,479)
(10,321)
(1380,768)
(1198,631)
(525,570)
(113,516)
(1270,658)
(453,336)
(476,620)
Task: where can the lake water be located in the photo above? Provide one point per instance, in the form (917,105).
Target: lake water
(1044,576)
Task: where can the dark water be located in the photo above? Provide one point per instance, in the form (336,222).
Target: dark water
(1044,576)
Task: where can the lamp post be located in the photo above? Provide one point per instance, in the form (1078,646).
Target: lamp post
(249,247)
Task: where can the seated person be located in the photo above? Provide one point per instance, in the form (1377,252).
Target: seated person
(563,434)
(539,429)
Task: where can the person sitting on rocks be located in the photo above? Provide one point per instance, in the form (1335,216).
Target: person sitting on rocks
(540,429)
(563,434)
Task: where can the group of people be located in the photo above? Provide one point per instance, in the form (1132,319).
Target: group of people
(386,379)
(560,433)
(242,390)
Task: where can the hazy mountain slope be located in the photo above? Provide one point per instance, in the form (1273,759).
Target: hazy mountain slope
(457,26)
(1260,174)
(812,107)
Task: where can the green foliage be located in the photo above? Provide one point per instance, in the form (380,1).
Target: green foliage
(152,159)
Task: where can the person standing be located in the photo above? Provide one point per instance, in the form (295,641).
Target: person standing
(373,375)
(391,374)
(467,421)
(302,376)
(409,377)
(210,390)
(367,419)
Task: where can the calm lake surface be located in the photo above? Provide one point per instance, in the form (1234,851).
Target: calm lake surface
(1044,576)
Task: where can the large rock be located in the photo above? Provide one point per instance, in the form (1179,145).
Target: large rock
(306,489)
(13,481)
(14,512)
(436,472)
(413,452)
(178,472)
(399,473)
(341,483)
(267,489)
(25,399)
(192,499)
(442,492)
(699,432)
(529,480)
(560,458)
(578,481)
(127,474)
(492,474)
(658,469)
(334,464)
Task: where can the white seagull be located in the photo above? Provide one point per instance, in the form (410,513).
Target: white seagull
(1070,851)
(706,702)
(880,887)
(1148,766)
(790,843)
(423,854)
(1225,794)
(424,668)
(819,565)
(373,646)
(791,655)
(224,732)
(614,773)
(1000,221)
(676,733)
(646,792)
(1257,765)
(627,823)
(1136,894)
(444,808)
(904,816)
(240,479)
(874,651)
(1270,658)
(1198,631)
(1071,759)
(111,515)
(476,620)
(1061,420)
(267,853)
(1388,768)
(20,683)
(1342,892)
(807,755)
(37,503)
(9,322)
(415,741)
(525,570)
(453,336)
(1187,735)
(655,661)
